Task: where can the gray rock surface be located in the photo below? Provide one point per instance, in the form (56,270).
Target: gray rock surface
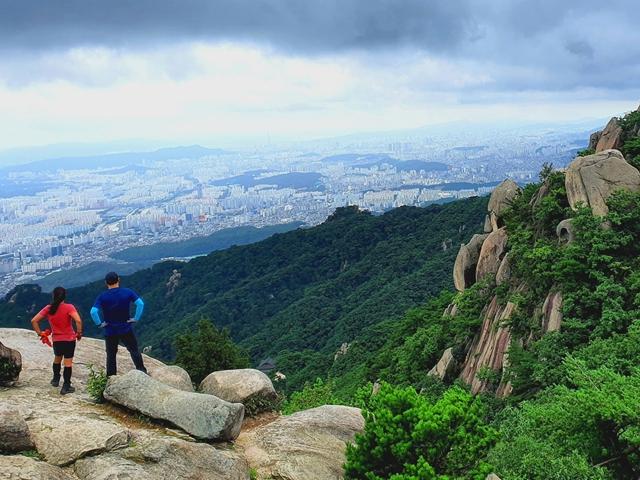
(201,415)
(10,365)
(175,377)
(552,312)
(18,467)
(303,446)
(491,254)
(592,179)
(503,274)
(14,432)
(167,459)
(565,231)
(445,365)
(610,137)
(500,200)
(63,440)
(238,386)
(464,269)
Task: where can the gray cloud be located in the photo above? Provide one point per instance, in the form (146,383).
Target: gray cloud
(522,44)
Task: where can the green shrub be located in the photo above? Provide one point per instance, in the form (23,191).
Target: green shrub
(586,151)
(96,383)
(259,404)
(207,350)
(312,395)
(407,437)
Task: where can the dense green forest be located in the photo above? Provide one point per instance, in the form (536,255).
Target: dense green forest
(297,296)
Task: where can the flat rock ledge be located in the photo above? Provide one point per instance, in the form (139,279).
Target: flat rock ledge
(203,416)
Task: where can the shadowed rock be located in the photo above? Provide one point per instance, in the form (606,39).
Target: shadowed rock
(238,385)
(610,137)
(201,415)
(303,446)
(14,432)
(503,274)
(10,365)
(500,200)
(445,365)
(464,269)
(565,231)
(592,179)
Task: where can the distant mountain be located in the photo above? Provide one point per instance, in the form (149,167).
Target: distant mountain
(296,296)
(114,160)
(298,180)
(372,159)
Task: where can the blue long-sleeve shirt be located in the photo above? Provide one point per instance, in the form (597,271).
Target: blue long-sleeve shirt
(113,308)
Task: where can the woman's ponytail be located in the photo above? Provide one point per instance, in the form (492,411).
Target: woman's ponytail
(59,294)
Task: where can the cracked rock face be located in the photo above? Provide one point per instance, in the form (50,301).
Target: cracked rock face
(491,255)
(610,137)
(592,179)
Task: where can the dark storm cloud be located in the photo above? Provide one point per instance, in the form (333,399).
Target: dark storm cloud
(520,44)
(302,26)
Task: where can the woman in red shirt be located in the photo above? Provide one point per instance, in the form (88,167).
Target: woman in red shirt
(60,316)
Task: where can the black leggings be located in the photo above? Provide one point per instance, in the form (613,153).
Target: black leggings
(129,341)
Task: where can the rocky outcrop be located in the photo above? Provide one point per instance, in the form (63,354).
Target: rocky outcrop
(552,312)
(63,440)
(464,269)
(500,199)
(238,386)
(503,275)
(10,366)
(445,365)
(175,377)
(490,345)
(592,179)
(14,432)
(491,254)
(492,476)
(303,446)
(611,137)
(149,458)
(594,138)
(19,467)
(565,231)
(201,415)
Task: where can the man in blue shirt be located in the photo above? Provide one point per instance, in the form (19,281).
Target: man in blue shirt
(111,311)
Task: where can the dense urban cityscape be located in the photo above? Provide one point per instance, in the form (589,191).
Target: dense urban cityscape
(66,213)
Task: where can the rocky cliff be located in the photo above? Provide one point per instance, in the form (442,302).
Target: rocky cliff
(44,435)
(589,181)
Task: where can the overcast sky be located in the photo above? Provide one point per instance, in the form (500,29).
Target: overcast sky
(183,71)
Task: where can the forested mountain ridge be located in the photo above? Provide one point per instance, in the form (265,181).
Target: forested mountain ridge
(297,296)
(531,370)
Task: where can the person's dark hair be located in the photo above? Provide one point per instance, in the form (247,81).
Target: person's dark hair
(58,294)
(111,278)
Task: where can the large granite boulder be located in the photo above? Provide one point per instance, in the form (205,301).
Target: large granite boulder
(168,459)
(445,365)
(19,467)
(491,254)
(303,446)
(10,366)
(500,200)
(175,377)
(611,137)
(14,432)
(464,269)
(63,440)
(201,415)
(238,386)
(592,179)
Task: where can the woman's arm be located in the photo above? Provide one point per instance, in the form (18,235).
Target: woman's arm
(78,321)
(35,322)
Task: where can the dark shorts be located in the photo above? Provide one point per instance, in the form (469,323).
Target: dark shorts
(64,349)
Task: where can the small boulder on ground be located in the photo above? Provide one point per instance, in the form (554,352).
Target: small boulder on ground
(64,439)
(174,376)
(14,432)
(238,386)
(592,179)
(19,467)
(201,415)
(10,366)
(303,446)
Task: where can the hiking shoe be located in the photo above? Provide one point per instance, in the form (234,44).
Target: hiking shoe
(66,388)
(55,381)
